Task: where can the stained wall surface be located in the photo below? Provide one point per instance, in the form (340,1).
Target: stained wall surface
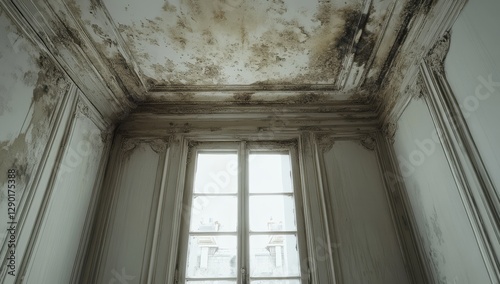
(129,233)
(61,244)
(473,71)
(56,153)
(30,89)
(443,226)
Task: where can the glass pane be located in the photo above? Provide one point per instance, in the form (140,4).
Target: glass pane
(272,213)
(211,257)
(274,256)
(269,173)
(211,282)
(214,214)
(275,281)
(216,173)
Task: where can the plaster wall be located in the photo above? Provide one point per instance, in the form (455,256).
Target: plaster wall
(365,237)
(56,154)
(444,229)
(473,71)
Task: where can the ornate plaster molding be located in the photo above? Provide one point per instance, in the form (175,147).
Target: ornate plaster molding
(129,144)
(82,109)
(420,85)
(158,145)
(389,131)
(325,142)
(437,55)
(369,142)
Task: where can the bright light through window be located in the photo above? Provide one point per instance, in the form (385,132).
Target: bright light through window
(242,230)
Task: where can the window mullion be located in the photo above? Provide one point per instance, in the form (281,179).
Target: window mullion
(243,213)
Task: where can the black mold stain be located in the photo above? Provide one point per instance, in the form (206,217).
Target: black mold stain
(124,76)
(24,151)
(304,98)
(49,77)
(167,7)
(352,18)
(245,97)
(65,34)
(412,8)
(365,47)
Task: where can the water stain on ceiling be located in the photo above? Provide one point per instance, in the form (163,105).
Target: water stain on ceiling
(339,44)
(265,50)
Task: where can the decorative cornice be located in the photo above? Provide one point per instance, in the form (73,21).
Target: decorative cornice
(420,86)
(325,142)
(106,136)
(129,144)
(389,131)
(437,55)
(82,109)
(369,142)
(158,145)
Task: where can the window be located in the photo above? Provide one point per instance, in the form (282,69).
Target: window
(242,219)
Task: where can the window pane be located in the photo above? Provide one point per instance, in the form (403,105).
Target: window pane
(275,281)
(214,214)
(272,213)
(216,173)
(274,256)
(211,257)
(269,173)
(211,282)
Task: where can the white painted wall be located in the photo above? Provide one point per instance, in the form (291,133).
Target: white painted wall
(57,157)
(473,71)
(69,209)
(365,236)
(444,229)
(132,216)
(24,122)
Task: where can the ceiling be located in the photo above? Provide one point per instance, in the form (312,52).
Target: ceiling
(128,53)
(236,42)
(198,49)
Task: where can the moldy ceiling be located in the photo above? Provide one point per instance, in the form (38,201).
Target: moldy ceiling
(124,54)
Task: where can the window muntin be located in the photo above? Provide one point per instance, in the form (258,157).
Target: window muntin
(243,219)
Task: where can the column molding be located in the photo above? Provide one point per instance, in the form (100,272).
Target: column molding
(416,265)
(476,189)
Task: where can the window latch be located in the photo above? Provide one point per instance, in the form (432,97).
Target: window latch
(243,275)
(176,276)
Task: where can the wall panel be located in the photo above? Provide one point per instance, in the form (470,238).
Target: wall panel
(68,208)
(132,212)
(473,72)
(446,234)
(366,243)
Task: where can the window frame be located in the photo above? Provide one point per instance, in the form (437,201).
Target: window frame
(243,149)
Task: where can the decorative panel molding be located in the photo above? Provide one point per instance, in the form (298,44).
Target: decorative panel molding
(427,29)
(34,198)
(477,191)
(55,29)
(74,187)
(411,246)
(358,207)
(125,235)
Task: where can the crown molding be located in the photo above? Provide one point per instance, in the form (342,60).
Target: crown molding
(163,119)
(437,55)
(424,36)
(369,142)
